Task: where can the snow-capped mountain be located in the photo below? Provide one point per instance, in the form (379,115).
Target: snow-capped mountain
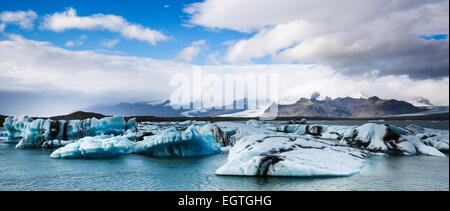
(164,109)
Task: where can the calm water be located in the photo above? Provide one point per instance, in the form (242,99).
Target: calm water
(34,170)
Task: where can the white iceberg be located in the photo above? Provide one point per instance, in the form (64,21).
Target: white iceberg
(95,147)
(286,155)
(387,139)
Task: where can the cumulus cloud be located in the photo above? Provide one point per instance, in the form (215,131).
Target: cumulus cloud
(39,69)
(25,19)
(189,53)
(352,36)
(69,19)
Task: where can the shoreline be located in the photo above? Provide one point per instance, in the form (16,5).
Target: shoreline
(85,115)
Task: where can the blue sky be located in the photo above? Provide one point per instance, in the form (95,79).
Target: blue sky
(166,16)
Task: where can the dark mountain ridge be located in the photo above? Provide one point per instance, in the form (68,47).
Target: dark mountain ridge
(347,107)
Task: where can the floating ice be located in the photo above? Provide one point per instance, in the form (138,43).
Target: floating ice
(178,143)
(388,139)
(95,147)
(220,136)
(31,133)
(131,125)
(55,144)
(438,139)
(290,155)
(254,123)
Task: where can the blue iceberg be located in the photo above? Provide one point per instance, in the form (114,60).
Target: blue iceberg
(29,133)
(178,143)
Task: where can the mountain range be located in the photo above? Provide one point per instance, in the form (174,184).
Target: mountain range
(338,107)
(162,109)
(348,107)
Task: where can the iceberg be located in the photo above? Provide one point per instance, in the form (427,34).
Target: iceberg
(291,155)
(322,131)
(131,125)
(178,143)
(29,133)
(55,144)
(220,136)
(167,144)
(254,123)
(95,147)
(438,139)
(388,139)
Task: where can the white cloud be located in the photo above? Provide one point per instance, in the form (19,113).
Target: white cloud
(70,43)
(212,58)
(39,67)
(189,53)
(25,19)
(2,27)
(79,42)
(110,43)
(69,19)
(353,36)
(269,41)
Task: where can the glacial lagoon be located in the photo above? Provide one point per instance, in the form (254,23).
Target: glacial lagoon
(33,169)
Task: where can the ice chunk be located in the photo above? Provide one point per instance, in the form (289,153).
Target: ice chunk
(220,136)
(178,143)
(438,139)
(108,125)
(31,133)
(34,133)
(16,127)
(388,139)
(55,144)
(256,123)
(95,147)
(131,125)
(286,155)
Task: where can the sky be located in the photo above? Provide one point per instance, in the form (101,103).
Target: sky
(60,56)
